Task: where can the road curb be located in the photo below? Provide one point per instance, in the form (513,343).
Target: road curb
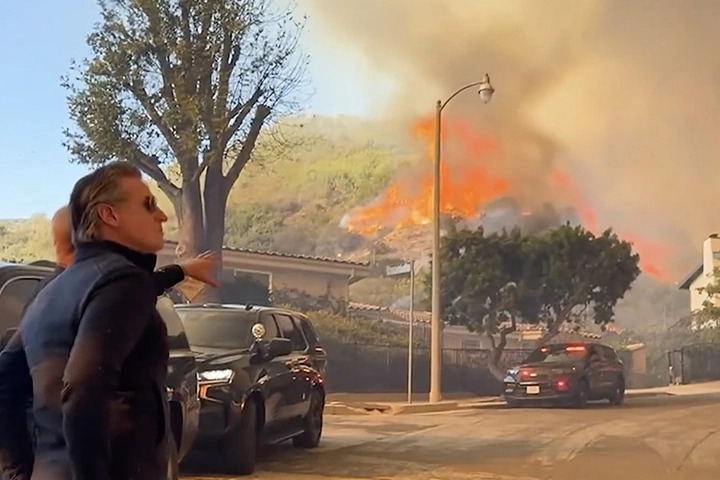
(417,408)
(370,408)
(630,394)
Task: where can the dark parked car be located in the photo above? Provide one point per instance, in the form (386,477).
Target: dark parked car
(261,380)
(569,374)
(17,283)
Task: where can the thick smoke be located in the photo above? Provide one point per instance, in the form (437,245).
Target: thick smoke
(624,95)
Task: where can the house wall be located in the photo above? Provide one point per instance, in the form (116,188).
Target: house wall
(639,361)
(309,282)
(711,255)
(312,284)
(696,297)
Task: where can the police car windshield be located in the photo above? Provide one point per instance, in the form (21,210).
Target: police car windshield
(215,328)
(556,354)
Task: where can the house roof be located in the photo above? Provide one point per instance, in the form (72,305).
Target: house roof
(690,277)
(288,255)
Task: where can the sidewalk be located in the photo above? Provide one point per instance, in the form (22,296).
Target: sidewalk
(396,404)
(706,388)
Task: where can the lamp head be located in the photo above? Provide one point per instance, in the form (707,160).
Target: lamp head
(486,89)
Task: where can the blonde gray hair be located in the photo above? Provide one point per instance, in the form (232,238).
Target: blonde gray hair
(99,187)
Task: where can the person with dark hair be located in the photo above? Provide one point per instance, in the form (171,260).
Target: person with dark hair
(95,345)
(16,444)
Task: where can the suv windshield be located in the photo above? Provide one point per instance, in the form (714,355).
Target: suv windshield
(556,354)
(211,328)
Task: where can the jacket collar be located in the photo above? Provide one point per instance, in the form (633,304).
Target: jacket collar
(93,249)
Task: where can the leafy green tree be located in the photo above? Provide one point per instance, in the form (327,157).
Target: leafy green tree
(705,323)
(190,83)
(581,272)
(490,283)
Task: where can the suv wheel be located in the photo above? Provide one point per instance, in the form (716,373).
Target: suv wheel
(239,450)
(310,438)
(581,395)
(618,394)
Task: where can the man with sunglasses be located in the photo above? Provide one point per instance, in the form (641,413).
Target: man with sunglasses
(16,446)
(94,343)
(200,268)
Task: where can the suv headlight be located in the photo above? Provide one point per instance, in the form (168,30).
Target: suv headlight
(216,376)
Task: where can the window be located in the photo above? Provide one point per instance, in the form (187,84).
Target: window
(14,295)
(595,354)
(291,332)
(221,328)
(177,340)
(609,353)
(557,353)
(271,328)
(308,331)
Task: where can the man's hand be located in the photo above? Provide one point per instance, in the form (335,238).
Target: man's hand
(202,268)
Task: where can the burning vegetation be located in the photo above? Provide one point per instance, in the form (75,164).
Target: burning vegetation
(475,188)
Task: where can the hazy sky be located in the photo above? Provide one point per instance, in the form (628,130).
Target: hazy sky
(37,41)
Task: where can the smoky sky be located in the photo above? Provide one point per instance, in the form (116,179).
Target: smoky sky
(622,94)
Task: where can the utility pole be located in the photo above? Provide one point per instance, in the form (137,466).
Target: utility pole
(411,322)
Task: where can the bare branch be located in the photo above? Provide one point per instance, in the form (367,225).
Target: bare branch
(239,113)
(149,165)
(137,89)
(243,156)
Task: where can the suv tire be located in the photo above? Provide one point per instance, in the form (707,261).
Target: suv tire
(581,395)
(239,450)
(313,423)
(618,395)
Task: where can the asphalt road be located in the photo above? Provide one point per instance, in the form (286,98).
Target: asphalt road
(660,438)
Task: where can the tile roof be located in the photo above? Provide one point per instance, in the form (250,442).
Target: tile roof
(288,255)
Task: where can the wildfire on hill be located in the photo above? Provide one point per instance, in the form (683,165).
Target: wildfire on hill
(468,184)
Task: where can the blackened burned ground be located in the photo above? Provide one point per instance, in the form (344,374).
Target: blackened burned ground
(661,438)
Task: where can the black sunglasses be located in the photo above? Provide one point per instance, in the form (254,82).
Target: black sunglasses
(150,204)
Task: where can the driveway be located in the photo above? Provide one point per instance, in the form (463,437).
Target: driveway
(673,438)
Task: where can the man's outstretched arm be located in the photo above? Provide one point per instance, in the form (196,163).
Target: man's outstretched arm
(109,329)
(16,448)
(167,277)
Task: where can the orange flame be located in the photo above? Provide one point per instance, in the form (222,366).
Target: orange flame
(467,187)
(652,254)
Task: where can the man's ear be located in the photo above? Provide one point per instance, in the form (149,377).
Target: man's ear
(107,215)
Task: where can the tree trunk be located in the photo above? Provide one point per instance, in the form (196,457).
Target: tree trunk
(202,218)
(191,220)
(215,193)
(497,350)
(552,332)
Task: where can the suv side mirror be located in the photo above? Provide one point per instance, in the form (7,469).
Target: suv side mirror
(7,336)
(279,347)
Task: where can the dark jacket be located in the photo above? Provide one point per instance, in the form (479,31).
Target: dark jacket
(97,351)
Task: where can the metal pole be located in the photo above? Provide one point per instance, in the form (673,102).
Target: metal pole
(410,331)
(435,331)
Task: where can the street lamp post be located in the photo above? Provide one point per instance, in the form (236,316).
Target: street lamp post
(485,91)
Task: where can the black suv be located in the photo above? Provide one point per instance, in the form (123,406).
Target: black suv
(569,374)
(17,283)
(261,380)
